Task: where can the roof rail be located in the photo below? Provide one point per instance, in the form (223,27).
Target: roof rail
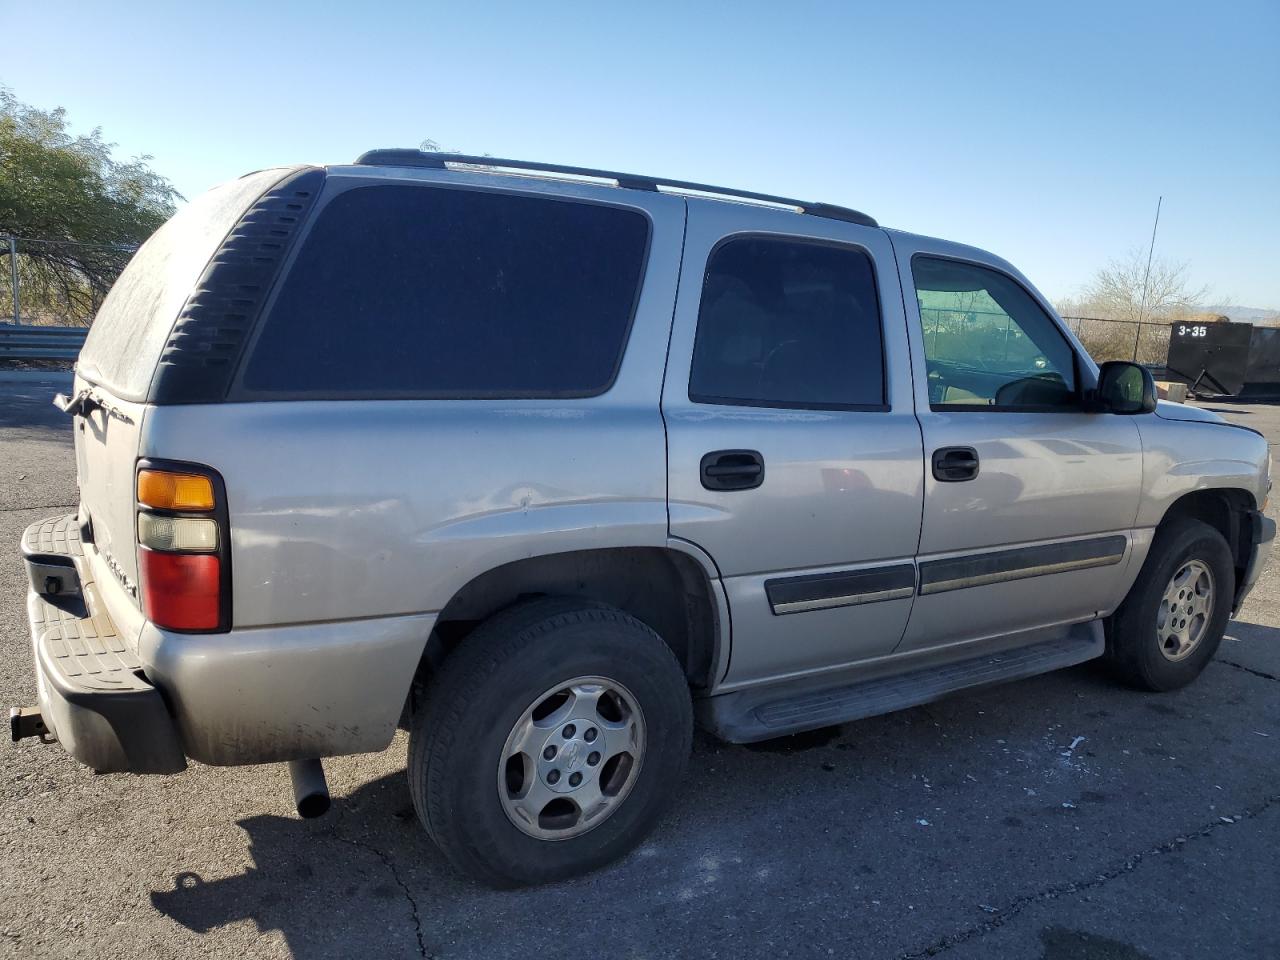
(402,157)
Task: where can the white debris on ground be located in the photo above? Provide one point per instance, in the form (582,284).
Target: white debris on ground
(702,877)
(1067,760)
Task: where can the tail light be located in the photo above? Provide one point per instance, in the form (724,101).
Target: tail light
(184,547)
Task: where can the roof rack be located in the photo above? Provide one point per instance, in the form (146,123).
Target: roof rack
(401,157)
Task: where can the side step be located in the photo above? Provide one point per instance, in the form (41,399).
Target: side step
(746,716)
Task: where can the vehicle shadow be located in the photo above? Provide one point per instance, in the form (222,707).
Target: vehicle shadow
(835,833)
(325,884)
(28,403)
(1252,647)
(368,874)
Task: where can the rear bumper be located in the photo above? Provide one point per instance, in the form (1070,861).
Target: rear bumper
(93,694)
(270,694)
(1262,536)
(256,695)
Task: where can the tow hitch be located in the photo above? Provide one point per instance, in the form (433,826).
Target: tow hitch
(26,722)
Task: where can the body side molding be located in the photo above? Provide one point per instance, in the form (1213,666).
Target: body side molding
(840,589)
(956,573)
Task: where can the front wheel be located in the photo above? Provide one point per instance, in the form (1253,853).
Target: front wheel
(1169,626)
(550,742)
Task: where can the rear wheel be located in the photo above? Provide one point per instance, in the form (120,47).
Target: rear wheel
(549,742)
(1169,627)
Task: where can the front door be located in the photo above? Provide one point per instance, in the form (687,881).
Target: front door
(794,455)
(1029,499)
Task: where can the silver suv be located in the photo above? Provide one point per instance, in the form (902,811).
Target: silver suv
(544,463)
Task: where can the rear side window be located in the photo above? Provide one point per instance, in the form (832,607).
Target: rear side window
(417,291)
(788,323)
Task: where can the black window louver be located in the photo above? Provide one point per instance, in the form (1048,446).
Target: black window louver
(206,341)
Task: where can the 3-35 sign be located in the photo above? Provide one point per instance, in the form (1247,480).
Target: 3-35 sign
(1196,330)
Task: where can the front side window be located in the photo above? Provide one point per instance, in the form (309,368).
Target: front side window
(788,323)
(987,343)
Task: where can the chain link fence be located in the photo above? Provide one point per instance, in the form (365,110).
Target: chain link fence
(953,332)
(1143,342)
(57,283)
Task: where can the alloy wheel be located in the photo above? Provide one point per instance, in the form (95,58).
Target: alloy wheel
(571,758)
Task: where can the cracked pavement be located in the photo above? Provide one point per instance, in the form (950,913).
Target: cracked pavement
(1060,818)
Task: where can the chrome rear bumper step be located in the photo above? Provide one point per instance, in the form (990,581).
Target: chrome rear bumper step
(94,696)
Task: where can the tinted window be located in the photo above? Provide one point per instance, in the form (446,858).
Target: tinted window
(421,291)
(987,343)
(788,323)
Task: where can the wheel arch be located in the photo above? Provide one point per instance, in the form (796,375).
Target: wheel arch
(1227,510)
(675,590)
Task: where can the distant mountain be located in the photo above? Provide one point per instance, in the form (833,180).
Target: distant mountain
(1241,314)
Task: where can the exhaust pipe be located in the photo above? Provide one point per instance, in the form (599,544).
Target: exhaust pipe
(310,791)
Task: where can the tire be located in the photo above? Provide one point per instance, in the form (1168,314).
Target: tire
(1143,655)
(477,790)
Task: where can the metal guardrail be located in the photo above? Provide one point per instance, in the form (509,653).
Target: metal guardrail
(41,343)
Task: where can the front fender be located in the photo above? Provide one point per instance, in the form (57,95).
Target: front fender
(1182,457)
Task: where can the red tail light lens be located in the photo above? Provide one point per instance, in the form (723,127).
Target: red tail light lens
(181,591)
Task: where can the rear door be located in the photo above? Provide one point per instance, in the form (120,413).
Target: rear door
(1029,499)
(794,455)
(106,441)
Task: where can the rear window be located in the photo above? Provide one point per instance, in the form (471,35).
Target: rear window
(417,291)
(133,323)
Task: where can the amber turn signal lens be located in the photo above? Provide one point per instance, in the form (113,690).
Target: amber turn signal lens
(174,491)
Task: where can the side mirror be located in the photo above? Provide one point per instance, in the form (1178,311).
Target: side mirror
(1125,388)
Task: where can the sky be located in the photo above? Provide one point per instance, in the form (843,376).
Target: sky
(1043,132)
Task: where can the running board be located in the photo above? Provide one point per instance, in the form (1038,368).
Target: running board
(761,713)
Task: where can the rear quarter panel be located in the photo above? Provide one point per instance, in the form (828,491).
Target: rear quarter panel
(354,521)
(352,509)
(345,509)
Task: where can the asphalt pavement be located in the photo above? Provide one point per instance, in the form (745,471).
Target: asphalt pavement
(1063,818)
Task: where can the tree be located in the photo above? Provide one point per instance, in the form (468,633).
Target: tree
(78,212)
(1126,290)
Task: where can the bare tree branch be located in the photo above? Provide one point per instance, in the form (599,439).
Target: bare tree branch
(1117,291)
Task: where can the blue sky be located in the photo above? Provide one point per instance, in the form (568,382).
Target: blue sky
(1043,132)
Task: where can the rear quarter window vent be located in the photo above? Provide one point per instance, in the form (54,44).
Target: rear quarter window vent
(206,341)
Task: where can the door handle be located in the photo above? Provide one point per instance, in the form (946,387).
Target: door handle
(732,470)
(954,464)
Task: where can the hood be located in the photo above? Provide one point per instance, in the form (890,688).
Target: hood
(1181,411)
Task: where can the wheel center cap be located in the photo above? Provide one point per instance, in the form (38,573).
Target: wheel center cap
(572,755)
